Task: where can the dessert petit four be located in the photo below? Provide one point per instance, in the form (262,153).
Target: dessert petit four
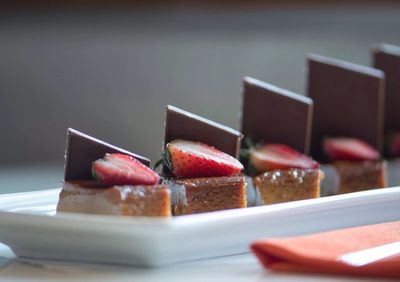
(279,122)
(200,165)
(387,58)
(103,179)
(356,163)
(347,133)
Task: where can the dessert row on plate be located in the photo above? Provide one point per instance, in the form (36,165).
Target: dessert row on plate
(209,167)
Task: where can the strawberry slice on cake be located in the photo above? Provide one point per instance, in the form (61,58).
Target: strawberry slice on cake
(349,149)
(120,169)
(195,159)
(278,156)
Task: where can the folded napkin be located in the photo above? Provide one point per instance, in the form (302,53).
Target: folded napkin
(372,250)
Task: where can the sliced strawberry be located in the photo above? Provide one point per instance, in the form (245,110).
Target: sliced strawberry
(120,169)
(277,156)
(194,159)
(349,149)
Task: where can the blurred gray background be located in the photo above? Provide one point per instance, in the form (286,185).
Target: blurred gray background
(111,72)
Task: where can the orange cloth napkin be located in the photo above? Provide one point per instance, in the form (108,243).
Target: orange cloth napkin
(323,252)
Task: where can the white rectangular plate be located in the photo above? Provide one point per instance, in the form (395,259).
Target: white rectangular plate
(28,225)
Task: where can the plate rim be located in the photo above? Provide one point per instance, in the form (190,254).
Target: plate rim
(320,204)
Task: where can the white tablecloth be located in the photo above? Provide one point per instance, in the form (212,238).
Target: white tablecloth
(232,268)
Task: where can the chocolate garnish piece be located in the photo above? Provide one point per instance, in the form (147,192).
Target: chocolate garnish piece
(275,115)
(180,124)
(348,101)
(82,150)
(387,58)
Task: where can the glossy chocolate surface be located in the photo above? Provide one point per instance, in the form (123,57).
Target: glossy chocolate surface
(82,150)
(180,124)
(387,58)
(348,101)
(275,115)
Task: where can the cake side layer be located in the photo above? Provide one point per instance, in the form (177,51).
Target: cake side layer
(198,195)
(360,176)
(280,186)
(127,200)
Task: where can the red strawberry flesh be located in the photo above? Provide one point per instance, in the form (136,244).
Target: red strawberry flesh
(349,149)
(196,159)
(120,169)
(278,156)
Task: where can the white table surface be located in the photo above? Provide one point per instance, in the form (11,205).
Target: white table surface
(233,268)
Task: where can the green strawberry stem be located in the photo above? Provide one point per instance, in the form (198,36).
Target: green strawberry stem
(94,175)
(158,163)
(249,142)
(165,161)
(247,146)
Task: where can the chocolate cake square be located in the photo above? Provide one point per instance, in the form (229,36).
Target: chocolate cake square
(207,194)
(360,176)
(279,186)
(126,200)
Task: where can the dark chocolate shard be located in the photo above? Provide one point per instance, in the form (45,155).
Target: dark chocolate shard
(180,124)
(82,150)
(348,101)
(275,115)
(387,58)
